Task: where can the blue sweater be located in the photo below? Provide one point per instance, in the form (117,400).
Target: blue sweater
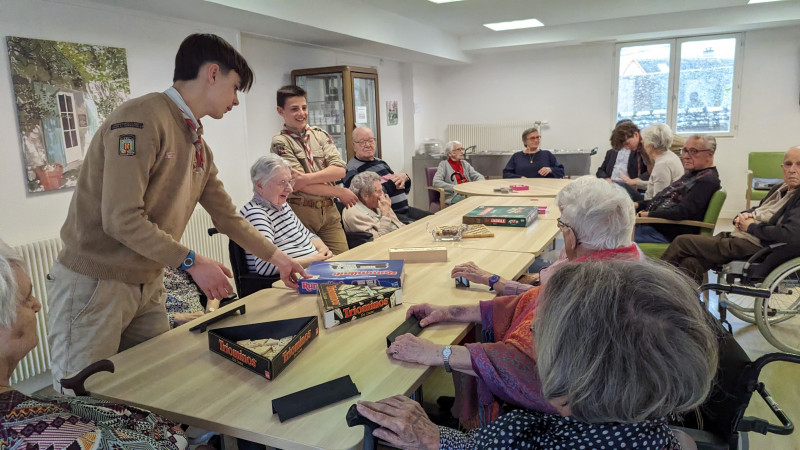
(528,164)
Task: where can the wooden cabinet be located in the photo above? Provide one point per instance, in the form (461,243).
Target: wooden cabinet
(340,99)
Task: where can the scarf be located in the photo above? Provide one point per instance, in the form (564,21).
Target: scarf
(459,171)
(197,140)
(302,140)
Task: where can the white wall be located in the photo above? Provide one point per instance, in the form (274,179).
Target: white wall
(571,88)
(151,44)
(273,63)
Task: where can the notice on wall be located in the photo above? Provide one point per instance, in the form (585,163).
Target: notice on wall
(361,114)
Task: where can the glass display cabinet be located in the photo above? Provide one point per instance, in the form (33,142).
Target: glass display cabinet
(340,99)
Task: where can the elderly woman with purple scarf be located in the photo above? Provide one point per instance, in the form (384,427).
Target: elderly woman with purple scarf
(597,220)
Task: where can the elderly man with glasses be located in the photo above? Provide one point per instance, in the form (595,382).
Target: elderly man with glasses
(396,185)
(687,197)
(775,219)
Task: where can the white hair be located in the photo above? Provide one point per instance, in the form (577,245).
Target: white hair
(449,146)
(600,213)
(362,128)
(363,184)
(658,135)
(264,169)
(9,261)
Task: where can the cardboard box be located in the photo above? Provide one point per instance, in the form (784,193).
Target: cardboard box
(382,272)
(223,341)
(342,303)
(508,216)
(419,254)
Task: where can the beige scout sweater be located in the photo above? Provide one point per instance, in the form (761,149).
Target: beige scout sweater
(131,205)
(323,150)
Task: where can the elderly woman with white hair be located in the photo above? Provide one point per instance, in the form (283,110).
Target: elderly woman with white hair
(667,166)
(373,213)
(603,230)
(454,170)
(60,422)
(597,220)
(618,347)
(271,215)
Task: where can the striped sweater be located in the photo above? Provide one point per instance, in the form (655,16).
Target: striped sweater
(282,228)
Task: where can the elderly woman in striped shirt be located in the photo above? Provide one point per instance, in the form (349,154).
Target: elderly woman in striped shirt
(272,216)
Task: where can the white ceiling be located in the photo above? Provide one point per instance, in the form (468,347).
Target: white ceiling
(421,31)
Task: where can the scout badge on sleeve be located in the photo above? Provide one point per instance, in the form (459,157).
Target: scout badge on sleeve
(279,149)
(127,145)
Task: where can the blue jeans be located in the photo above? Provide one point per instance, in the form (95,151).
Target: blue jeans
(646,234)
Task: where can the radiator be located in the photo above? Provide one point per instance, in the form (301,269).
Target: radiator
(39,256)
(494,137)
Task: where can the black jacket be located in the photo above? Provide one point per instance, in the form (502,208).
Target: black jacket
(636,166)
(784,226)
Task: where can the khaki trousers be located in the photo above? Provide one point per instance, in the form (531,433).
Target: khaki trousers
(326,223)
(90,319)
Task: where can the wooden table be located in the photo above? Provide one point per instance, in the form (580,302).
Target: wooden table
(176,375)
(431,282)
(539,187)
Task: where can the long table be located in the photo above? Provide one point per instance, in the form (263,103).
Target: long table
(538,187)
(176,375)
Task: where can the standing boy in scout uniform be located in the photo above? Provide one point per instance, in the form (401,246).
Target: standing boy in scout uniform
(146,169)
(316,166)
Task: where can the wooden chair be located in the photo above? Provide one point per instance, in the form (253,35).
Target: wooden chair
(706,226)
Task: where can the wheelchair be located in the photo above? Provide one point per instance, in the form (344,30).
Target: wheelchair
(719,423)
(775,269)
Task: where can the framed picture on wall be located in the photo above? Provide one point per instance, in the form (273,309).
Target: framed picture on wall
(63,92)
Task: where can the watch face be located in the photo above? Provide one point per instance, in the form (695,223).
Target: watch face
(188,262)
(446,351)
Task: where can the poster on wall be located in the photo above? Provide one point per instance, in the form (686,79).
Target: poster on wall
(391,112)
(63,92)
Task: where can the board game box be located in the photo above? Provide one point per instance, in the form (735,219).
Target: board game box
(293,334)
(509,216)
(383,272)
(342,303)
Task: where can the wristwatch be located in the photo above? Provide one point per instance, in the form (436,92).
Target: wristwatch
(188,262)
(446,355)
(492,280)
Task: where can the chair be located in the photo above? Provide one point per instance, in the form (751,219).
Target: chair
(435,194)
(354,238)
(706,226)
(246,282)
(762,165)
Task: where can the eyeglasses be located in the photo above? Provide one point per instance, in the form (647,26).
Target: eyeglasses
(285,183)
(565,225)
(366,141)
(694,151)
(459,149)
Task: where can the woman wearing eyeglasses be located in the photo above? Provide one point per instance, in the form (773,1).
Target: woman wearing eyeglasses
(597,223)
(454,170)
(686,198)
(272,216)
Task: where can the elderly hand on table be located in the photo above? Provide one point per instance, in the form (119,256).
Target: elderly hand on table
(475,274)
(410,348)
(403,422)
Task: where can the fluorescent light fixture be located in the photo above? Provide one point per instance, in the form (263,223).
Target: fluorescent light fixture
(750,2)
(445,1)
(514,25)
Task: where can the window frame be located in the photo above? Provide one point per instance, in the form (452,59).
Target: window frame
(674,78)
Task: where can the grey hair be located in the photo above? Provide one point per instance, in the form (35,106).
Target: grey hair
(527,132)
(600,213)
(264,169)
(363,183)
(624,341)
(360,128)
(449,146)
(658,135)
(9,261)
(711,141)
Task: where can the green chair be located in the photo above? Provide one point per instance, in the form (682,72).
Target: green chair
(706,226)
(762,165)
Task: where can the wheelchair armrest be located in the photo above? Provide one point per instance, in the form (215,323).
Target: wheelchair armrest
(441,195)
(751,373)
(692,223)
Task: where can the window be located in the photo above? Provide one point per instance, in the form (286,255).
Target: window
(68,122)
(691,84)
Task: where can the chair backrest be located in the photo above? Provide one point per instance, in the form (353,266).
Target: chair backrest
(433,196)
(765,164)
(713,210)
(246,282)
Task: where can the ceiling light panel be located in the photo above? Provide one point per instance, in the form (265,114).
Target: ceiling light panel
(514,25)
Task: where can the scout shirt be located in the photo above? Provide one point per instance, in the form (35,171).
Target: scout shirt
(323,151)
(137,190)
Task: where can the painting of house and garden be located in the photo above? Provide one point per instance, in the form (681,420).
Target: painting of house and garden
(63,91)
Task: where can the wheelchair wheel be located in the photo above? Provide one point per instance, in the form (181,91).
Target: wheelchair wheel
(740,306)
(782,306)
